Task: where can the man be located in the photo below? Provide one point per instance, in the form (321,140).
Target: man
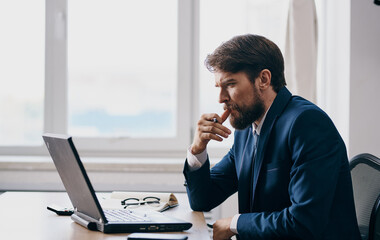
(288,162)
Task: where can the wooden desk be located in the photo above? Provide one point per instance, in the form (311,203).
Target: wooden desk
(23,215)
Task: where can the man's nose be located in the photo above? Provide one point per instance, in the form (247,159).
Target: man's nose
(223,96)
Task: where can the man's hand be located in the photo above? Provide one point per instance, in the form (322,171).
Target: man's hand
(207,129)
(221,229)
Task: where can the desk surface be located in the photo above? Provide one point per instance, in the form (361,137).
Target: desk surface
(23,215)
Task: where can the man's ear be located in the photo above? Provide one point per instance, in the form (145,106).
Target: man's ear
(265,77)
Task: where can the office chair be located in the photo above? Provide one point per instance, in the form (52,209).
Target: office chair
(365,173)
(374,227)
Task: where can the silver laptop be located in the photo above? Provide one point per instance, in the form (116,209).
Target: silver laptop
(87,210)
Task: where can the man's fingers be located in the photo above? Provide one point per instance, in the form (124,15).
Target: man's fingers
(208,130)
(220,119)
(221,229)
(225,115)
(211,136)
(214,130)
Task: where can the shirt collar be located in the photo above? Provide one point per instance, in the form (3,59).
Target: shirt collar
(257,128)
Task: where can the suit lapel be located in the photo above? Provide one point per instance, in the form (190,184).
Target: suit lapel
(246,174)
(278,105)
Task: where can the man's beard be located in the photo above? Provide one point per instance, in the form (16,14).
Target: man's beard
(247,114)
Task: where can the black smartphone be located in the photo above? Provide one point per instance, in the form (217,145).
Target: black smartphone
(61,211)
(157,236)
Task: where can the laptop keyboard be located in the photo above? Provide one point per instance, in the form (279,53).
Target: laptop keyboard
(122,215)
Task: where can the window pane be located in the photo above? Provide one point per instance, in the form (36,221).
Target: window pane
(122,63)
(22,27)
(231,18)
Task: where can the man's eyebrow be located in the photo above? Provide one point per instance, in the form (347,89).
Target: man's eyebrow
(225,81)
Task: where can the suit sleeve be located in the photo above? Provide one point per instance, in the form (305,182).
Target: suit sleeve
(316,150)
(207,188)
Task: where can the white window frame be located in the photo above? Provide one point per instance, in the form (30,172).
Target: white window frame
(56,97)
(56,88)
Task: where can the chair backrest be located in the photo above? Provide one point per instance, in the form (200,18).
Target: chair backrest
(365,173)
(374,226)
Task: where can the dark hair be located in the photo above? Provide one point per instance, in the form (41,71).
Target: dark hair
(250,54)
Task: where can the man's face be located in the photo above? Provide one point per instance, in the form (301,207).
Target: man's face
(241,97)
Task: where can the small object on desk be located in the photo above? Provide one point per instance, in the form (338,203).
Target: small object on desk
(157,236)
(210,225)
(61,211)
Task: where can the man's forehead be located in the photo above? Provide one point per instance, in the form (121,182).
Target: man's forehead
(221,76)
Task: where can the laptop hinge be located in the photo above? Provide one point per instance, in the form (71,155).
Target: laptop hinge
(84,222)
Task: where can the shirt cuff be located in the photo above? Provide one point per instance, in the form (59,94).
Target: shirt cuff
(196,161)
(233,224)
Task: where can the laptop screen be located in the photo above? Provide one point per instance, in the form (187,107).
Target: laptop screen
(73,175)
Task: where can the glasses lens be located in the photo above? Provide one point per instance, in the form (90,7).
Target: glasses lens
(152,201)
(131,203)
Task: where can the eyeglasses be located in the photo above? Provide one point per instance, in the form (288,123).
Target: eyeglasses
(135,202)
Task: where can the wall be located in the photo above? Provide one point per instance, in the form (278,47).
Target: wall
(364,116)
(334,62)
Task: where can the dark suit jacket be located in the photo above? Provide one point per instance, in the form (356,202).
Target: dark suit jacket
(299,185)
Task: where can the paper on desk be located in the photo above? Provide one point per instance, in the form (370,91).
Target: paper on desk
(167,200)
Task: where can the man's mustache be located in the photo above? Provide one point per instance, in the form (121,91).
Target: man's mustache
(231,106)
